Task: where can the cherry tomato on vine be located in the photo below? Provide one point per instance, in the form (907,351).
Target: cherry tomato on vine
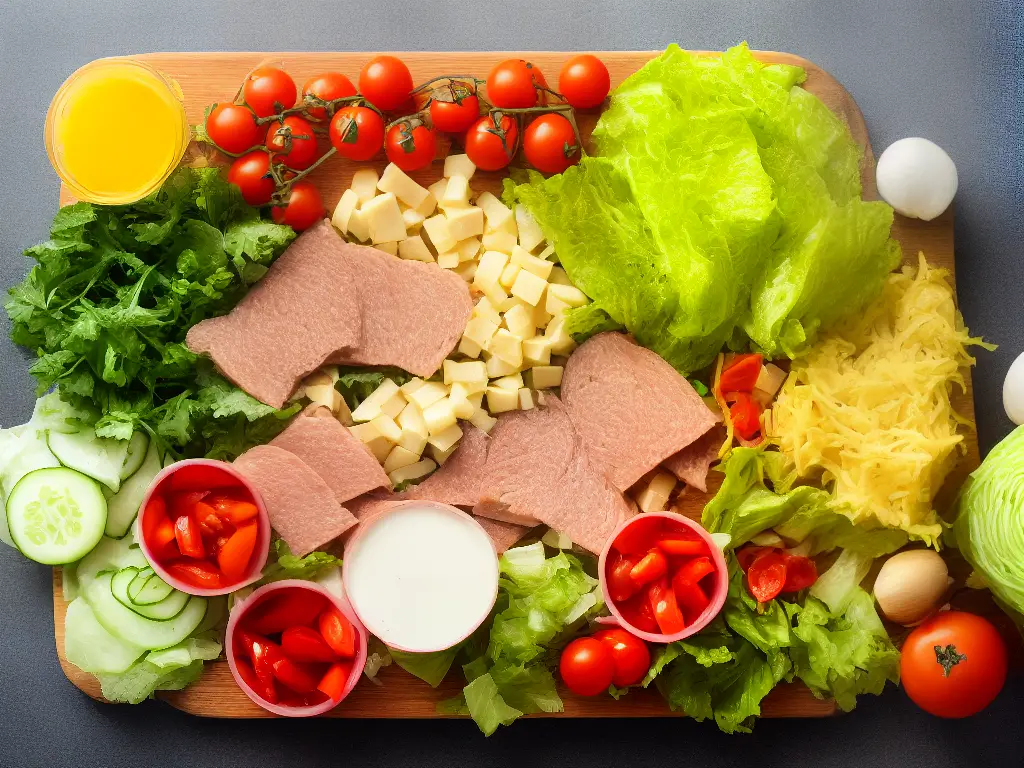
(410,147)
(304,207)
(954,664)
(491,142)
(513,84)
(293,142)
(233,128)
(630,656)
(587,666)
(268,91)
(251,173)
(386,82)
(455,107)
(550,144)
(584,81)
(357,132)
(326,87)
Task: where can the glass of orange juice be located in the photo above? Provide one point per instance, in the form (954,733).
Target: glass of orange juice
(115,131)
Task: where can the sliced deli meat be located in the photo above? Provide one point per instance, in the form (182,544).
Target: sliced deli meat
(303,311)
(691,465)
(334,453)
(632,408)
(457,481)
(301,506)
(538,468)
(504,535)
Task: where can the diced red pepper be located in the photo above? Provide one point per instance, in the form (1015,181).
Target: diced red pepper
(746,416)
(801,572)
(209,521)
(189,537)
(652,566)
(301,678)
(262,652)
(158,530)
(333,683)
(692,571)
(232,510)
(306,644)
(620,585)
(292,699)
(234,555)
(201,477)
(198,573)
(766,576)
(639,536)
(338,632)
(748,555)
(184,503)
(288,608)
(691,598)
(741,374)
(637,612)
(248,674)
(675,545)
(665,607)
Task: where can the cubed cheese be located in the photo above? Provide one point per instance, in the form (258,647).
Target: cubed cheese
(414,249)
(519,321)
(412,472)
(448,260)
(553,305)
(541,317)
(525,399)
(513,382)
(437,189)
(456,194)
(380,447)
(570,294)
(508,276)
(537,351)
(545,376)
(507,347)
(466,270)
(531,263)
(477,398)
(548,254)
(384,218)
(530,235)
(413,441)
(427,207)
(400,457)
(413,219)
(492,205)
(428,394)
(394,405)
(411,420)
(465,222)
(440,236)
(371,406)
(364,184)
(482,420)
(655,495)
(484,308)
(395,181)
(359,226)
(439,416)
(366,432)
(558,338)
(501,400)
(480,330)
(343,210)
(391,248)
(387,427)
(447,438)
(509,303)
(459,399)
(468,249)
(459,165)
(465,372)
(488,273)
(469,348)
(529,287)
(442,456)
(499,241)
(558,277)
(496,368)
(411,386)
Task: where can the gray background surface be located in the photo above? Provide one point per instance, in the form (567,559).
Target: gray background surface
(950,71)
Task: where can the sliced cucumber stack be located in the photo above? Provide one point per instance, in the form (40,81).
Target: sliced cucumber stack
(89,646)
(123,506)
(135,454)
(126,623)
(100,458)
(171,605)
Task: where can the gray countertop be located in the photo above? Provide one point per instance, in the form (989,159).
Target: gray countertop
(947,70)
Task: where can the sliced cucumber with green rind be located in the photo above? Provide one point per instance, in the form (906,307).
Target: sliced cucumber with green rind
(123,506)
(56,515)
(148,588)
(109,555)
(138,447)
(92,648)
(101,458)
(22,450)
(164,610)
(128,625)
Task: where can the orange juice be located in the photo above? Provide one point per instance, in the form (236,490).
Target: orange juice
(115,131)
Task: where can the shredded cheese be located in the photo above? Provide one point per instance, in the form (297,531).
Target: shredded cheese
(868,407)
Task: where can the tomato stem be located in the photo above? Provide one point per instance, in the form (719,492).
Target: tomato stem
(330,105)
(948,658)
(451,78)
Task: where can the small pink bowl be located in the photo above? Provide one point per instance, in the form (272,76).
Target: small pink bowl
(718,595)
(260,553)
(244,606)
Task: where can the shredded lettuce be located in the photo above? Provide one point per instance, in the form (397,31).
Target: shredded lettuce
(431,668)
(288,566)
(170,669)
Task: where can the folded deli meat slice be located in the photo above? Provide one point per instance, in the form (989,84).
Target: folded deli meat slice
(334,453)
(632,408)
(538,468)
(301,506)
(691,464)
(300,313)
(504,535)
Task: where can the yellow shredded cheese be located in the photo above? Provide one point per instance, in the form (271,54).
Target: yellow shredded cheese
(868,407)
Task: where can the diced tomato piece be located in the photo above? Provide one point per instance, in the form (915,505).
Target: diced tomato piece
(306,644)
(691,599)
(766,576)
(665,607)
(262,652)
(746,416)
(692,571)
(233,557)
(233,510)
(288,608)
(640,536)
(189,537)
(209,521)
(652,566)
(333,683)
(301,678)
(620,585)
(673,545)
(179,504)
(741,375)
(801,572)
(198,573)
(201,477)
(158,530)
(248,674)
(637,613)
(338,632)
(748,555)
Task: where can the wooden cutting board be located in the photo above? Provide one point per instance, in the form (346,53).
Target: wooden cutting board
(206,78)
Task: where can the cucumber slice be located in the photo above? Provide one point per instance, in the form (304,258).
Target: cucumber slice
(216,615)
(138,447)
(163,610)
(154,589)
(90,647)
(22,450)
(56,515)
(123,506)
(100,458)
(109,555)
(128,625)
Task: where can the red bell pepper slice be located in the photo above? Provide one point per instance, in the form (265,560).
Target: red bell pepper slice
(746,416)
(620,585)
(198,573)
(766,576)
(158,529)
(189,537)
(233,510)
(301,678)
(338,632)
(640,536)
(692,571)
(741,375)
(801,572)
(306,644)
(234,554)
(333,683)
(184,503)
(652,566)
(691,598)
(665,607)
(637,613)
(682,547)
(248,674)
(263,654)
(201,477)
(288,608)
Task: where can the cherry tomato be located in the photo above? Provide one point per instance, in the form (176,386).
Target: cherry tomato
(410,147)
(638,613)
(287,608)
(630,656)
(385,81)
(325,87)
(235,553)
(251,174)
(513,84)
(189,537)
(357,133)
(305,644)
(954,664)
(620,584)
(335,679)
(304,208)
(766,576)
(550,144)
(157,528)
(338,632)
(454,107)
(293,142)
(652,566)
(747,555)
(665,607)
(587,666)
(269,91)
(801,572)
(491,142)
(584,81)
(233,128)
(746,416)
(741,374)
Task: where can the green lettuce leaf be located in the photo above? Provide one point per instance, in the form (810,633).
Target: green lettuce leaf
(170,669)
(289,566)
(356,384)
(428,667)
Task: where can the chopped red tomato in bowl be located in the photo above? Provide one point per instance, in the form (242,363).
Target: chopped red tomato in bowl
(772,572)
(294,648)
(662,576)
(203,528)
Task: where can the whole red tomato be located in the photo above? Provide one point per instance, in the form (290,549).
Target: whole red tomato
(386,82)
(251,172)
(586,666)
(304,207)
(954,664)
(454,107)
(584,81)
(630,655)
(513,84)
(550,144)
(325,87)
(293,142)
(410,147)
(233,128)
(269,91)
(357,133)
(491,142)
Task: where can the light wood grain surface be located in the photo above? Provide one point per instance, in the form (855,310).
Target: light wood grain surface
(209,77)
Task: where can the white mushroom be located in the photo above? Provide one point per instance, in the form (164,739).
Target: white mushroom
(917,178)
(910,585)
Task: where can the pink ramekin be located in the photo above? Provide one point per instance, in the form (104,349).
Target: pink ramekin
(260,553)
(243,606)
(718,595)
